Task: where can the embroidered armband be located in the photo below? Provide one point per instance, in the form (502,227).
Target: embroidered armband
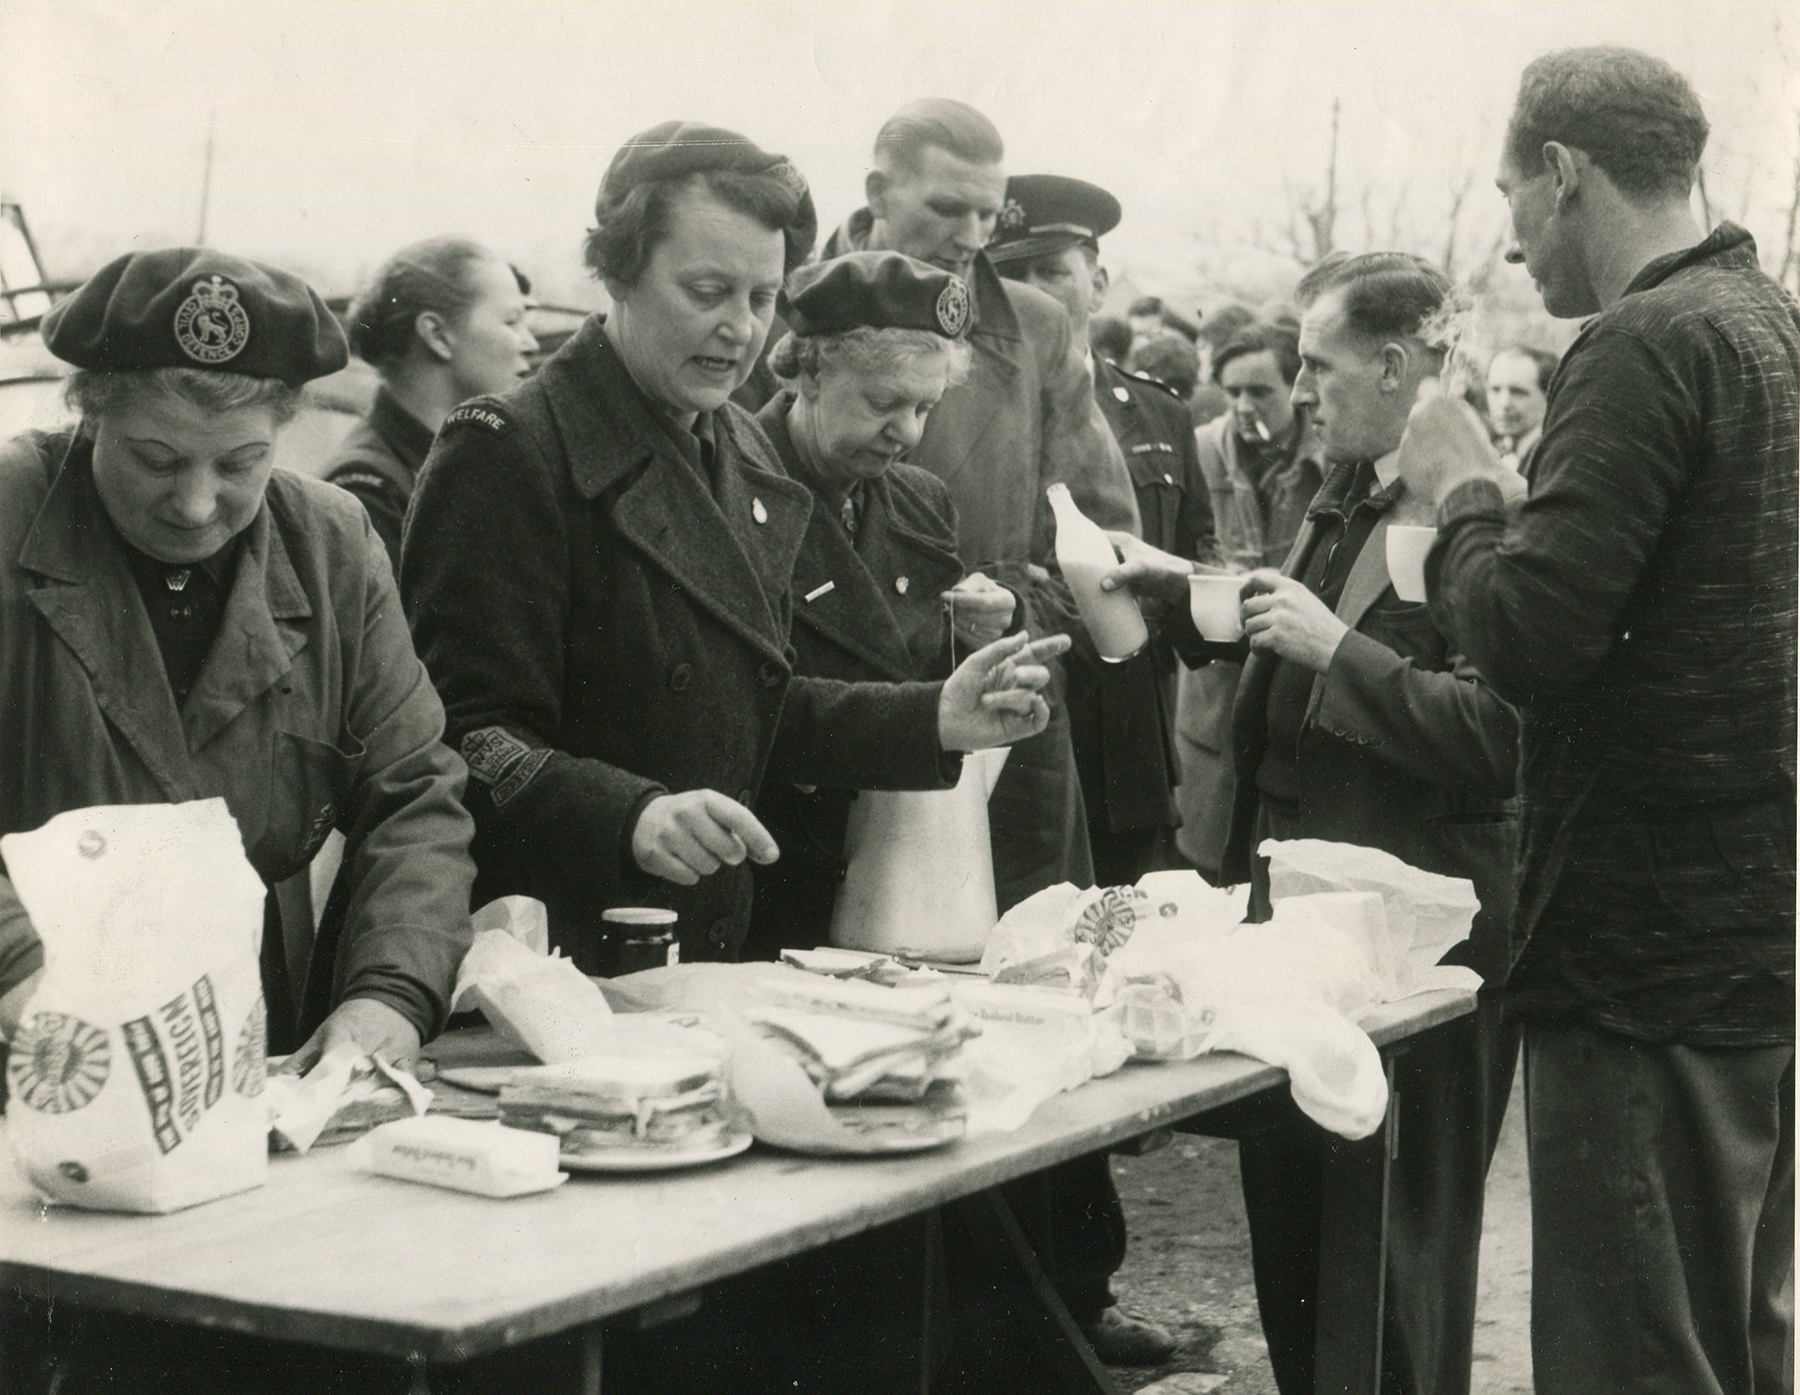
(501,761)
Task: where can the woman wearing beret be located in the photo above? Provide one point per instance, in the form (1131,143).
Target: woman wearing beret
(598,569)
(876,339)
(443,321)
(180,621)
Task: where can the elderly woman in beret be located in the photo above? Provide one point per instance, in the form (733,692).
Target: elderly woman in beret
(880,594)
(443,321)
(179,620)
(598,567)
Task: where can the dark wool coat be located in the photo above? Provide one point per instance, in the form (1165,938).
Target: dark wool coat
(603,629)
(379,463)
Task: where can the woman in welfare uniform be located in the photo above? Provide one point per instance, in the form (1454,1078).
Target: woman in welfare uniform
(598,570)
(178,621)
(879,592)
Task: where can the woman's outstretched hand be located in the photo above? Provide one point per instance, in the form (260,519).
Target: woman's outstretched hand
(995,697)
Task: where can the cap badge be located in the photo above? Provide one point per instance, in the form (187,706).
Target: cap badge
(791,179)
(1012,214)
(953,307)
(211,325)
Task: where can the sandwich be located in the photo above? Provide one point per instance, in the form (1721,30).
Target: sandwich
(604,1104)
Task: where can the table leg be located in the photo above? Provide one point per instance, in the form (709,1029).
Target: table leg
(1353,1258)
(991,1223)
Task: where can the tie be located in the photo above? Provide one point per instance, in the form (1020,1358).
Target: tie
(848,514)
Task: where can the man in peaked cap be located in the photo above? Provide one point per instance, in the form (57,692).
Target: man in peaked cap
(1048,236)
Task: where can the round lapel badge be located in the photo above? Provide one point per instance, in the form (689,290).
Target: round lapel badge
(953,307)
(211,325)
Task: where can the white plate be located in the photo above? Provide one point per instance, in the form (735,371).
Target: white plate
(628,1160)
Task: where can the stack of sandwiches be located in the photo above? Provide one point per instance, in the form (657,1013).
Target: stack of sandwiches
(668,1103)
(885,1059)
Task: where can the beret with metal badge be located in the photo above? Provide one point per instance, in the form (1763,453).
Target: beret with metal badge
(676,149)
(1045,213)
(875,290)
(190,307)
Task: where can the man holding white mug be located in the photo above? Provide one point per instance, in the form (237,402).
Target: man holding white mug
(1354,722)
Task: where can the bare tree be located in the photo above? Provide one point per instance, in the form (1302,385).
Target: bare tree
(1790,252)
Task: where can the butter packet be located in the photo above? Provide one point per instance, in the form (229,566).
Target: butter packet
(466,1155)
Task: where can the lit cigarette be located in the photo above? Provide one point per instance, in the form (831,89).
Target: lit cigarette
(1261,430)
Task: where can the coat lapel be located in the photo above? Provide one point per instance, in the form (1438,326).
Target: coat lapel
(92,605)
(1362,588)
(837,593)
(735,567)
(252,649)
(959,431)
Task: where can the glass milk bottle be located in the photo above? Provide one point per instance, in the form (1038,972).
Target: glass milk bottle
(1113,619)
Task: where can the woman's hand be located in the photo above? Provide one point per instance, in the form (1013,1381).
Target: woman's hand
(995,697)
(1281,615)
(1148,571)
(684,837)
(359,1027)
(981,610)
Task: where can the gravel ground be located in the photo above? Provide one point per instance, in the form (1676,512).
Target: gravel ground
(1189,1268)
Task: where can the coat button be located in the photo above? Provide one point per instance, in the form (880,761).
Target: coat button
(770,674)
(679,677)
(746,796)
(720,934)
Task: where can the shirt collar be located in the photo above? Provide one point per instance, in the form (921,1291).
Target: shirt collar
(1728,244)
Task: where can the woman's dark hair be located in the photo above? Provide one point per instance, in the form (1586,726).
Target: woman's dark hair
(431,276)
(628,231)
(1110,337)
(1545,363)
(92,392)
(1279,340)
(1634,116)
(1171,360)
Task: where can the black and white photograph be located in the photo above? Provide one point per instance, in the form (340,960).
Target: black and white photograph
(914,695)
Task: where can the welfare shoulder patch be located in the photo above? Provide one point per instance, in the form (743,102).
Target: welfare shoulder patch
(488,415)
(501,761)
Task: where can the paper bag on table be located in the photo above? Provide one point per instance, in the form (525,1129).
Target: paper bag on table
(138,1069)
(920,880)
(1426,913)
(538,1001)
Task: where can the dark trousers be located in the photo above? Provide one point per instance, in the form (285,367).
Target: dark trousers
(1073,1218)
(1662,1214)
(1450,1089)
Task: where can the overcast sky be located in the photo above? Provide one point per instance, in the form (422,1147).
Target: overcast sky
(344,128)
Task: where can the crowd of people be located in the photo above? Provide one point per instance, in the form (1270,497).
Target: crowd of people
(633,628)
